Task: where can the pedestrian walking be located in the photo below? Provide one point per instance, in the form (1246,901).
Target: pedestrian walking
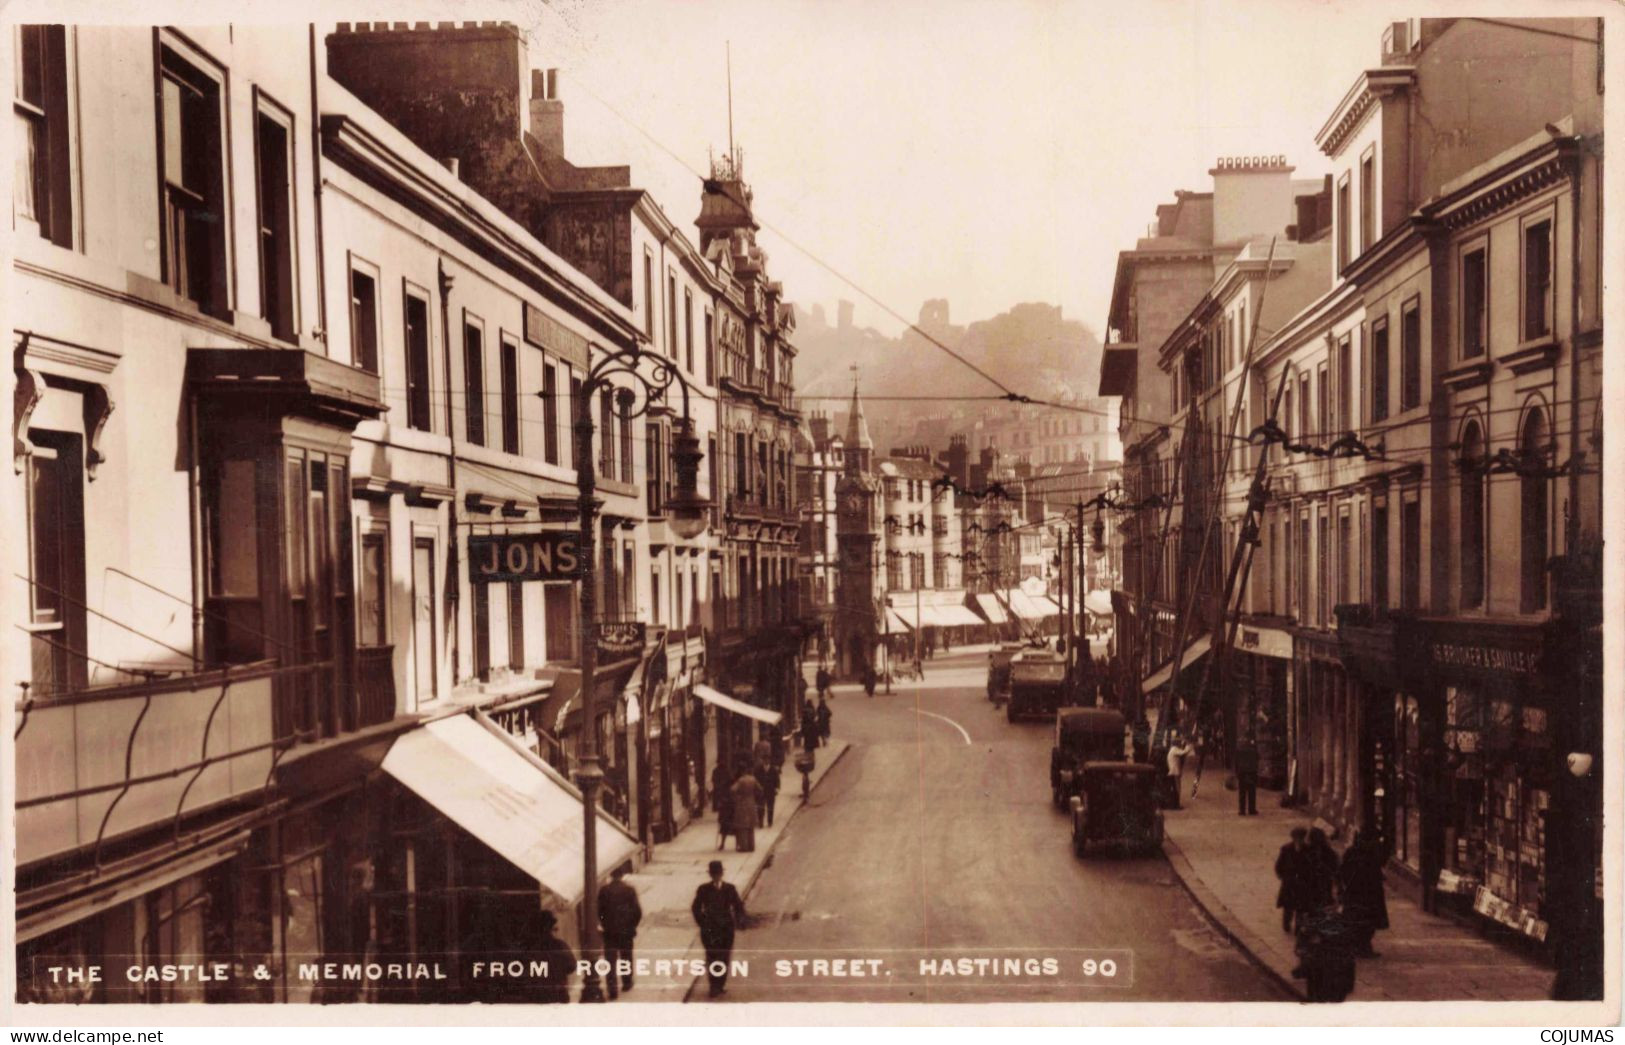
(718,911)
(1293,869)
(747,795)
(558,963)
(1323,869)
(768,775)
(723,781)
(823,717)
(823,680)
(1365,908)
(618,916)
(1247,776)
(1142,740)
(720,780)
(809,728)
(869,680)
(762,752)
(1178,751)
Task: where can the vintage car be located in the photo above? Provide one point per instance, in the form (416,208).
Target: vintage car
(998,670)
(1082,735)
(1116,805)
(1037,684)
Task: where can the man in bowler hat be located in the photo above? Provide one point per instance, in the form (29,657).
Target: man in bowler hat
(618,916)
(718,911)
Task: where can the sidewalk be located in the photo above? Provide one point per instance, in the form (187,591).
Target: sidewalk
(667,882)
(1227,863)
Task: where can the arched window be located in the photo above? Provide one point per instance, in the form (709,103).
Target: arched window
(1471,516)
(1532,451)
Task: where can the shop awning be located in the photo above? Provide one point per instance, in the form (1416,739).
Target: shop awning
(1099,603)
(952,617)
(989,605)
(1028,607)
(1266,642)
(507,798)
(1194,652)
(738,707)
(1050,606)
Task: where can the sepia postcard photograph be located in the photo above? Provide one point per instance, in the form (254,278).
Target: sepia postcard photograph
(1036,512)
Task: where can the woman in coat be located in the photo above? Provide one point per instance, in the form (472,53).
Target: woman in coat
(747,795)
(1364,905)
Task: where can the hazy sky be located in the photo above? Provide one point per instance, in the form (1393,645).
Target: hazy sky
(989,153)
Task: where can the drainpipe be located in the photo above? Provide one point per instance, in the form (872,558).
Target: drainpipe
(316,187)
(199,562)
(453,584)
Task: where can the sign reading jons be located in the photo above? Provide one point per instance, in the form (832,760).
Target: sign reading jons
(549,556)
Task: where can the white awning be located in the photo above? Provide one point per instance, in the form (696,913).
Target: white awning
(738,707)
(1029,608)
(1049,605)
(1099,603)
(507,798)
(1194,652)
(952,617)
(1267,642)
(991,609)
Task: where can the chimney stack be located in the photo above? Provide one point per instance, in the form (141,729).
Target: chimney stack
(547,111)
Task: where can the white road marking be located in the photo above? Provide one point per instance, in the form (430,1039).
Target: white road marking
(948,720)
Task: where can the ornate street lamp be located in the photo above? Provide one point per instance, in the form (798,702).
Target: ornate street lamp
(687,509)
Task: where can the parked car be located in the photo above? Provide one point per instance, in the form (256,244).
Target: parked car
(1037,684)
(1082,735)
(1116,805)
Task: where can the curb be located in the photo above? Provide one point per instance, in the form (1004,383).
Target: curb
(1222,919)
(767,856)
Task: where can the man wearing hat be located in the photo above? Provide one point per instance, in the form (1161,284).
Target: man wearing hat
(618,916)
(555,988)
(718,911)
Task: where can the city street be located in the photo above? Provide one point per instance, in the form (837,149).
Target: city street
(934,839)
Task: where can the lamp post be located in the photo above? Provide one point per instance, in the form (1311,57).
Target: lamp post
(687,514)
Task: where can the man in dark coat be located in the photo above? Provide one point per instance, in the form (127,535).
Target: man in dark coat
(869,680)
(824,715)
(1325,945)
(561,962)
(1247,777)
(718,911)
(1365,908)
(768,775)
(618,916)
(823,680)
(809,728)
(1293,869)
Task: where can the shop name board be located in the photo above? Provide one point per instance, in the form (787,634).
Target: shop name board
(1484,658)
(619,639)
(550,556)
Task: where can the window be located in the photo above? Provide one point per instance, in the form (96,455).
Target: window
(649,294)
(606,435)
(425,658)
(1537,280)
(418,415)
(654,595)
(1470,540)
(671,315)
(550,414)
(688,330)
(1286,567)
(1344,217)
(1368,201)
(194,222)
(1345,384)
(516,625)
(231,528)
(474,380)
(1303,569)
(510,395)
(363,318)
(1410,554)
(1305,426)
(56,533)
(1323,568)
(1410,356)
(626,439)
(40,186)
(559,613)
(578,406)
(1534,494)
(741,464)
(710,350)
(1379,556)
(273,154)
(1322,405)
(715,489)
(373,627)
(482,631)
(1473,305)
(1345,554)
(1379,370)
(652,459)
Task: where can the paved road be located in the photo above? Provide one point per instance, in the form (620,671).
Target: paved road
(934,840)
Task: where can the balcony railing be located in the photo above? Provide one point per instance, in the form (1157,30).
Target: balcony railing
(375,685)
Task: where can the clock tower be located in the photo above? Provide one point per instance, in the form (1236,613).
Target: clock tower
(857,538)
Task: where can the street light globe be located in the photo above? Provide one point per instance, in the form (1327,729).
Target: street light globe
(686,509)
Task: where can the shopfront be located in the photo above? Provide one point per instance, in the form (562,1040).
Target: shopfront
(1261,673)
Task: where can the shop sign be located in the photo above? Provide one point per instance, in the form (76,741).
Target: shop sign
(619,640)
(1479,657)
(552,555)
